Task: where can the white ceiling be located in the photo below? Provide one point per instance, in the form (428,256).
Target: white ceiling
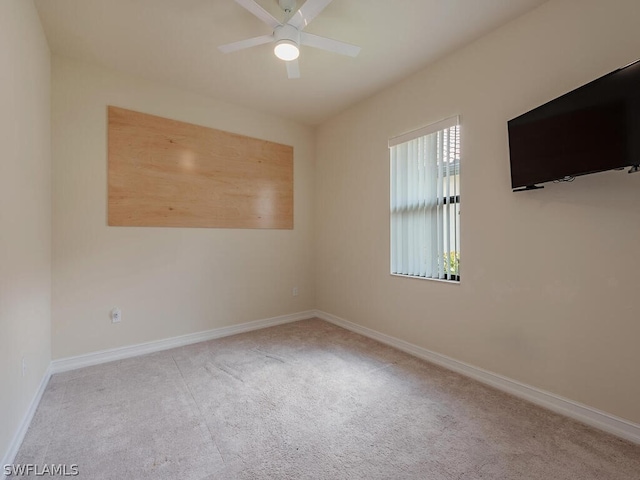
(174,42)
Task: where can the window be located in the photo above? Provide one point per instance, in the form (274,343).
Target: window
(425,202)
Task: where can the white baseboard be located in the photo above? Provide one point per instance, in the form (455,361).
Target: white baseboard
(583,413)
(104,356)
(18,437)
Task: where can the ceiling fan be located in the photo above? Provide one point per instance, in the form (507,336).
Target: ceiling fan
(289,36)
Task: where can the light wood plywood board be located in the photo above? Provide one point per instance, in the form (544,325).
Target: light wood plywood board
(166,173)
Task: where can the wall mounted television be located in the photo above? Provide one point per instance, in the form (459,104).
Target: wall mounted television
(591,129)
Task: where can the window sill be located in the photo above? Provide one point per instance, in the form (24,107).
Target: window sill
(441,280)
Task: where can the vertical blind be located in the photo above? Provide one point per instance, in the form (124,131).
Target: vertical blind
(425,202)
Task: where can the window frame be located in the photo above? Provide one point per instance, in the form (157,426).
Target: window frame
(445,200)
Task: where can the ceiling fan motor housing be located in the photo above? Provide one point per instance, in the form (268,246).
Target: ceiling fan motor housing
(287,32)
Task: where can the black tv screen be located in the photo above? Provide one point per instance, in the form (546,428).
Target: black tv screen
(591,129)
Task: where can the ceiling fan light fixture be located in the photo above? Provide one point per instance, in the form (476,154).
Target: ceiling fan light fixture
(286,50)
(288,35)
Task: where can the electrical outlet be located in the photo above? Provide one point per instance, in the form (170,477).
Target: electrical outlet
(24,367)
(294,291)
(116,315)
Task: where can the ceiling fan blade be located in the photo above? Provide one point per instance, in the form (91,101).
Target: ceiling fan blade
(325,43)
(293,69)
(242,44)
(259,12)
(307,12)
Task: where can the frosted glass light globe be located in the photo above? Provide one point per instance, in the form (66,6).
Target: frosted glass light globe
(286,50)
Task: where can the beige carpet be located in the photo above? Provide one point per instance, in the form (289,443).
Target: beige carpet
(306,400)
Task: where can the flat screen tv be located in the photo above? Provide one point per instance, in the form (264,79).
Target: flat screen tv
(591,129)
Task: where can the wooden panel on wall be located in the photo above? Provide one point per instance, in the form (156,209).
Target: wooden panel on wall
(165,173)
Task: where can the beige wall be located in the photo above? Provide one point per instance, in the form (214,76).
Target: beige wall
(167,281)
(550,278)
(25,212)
